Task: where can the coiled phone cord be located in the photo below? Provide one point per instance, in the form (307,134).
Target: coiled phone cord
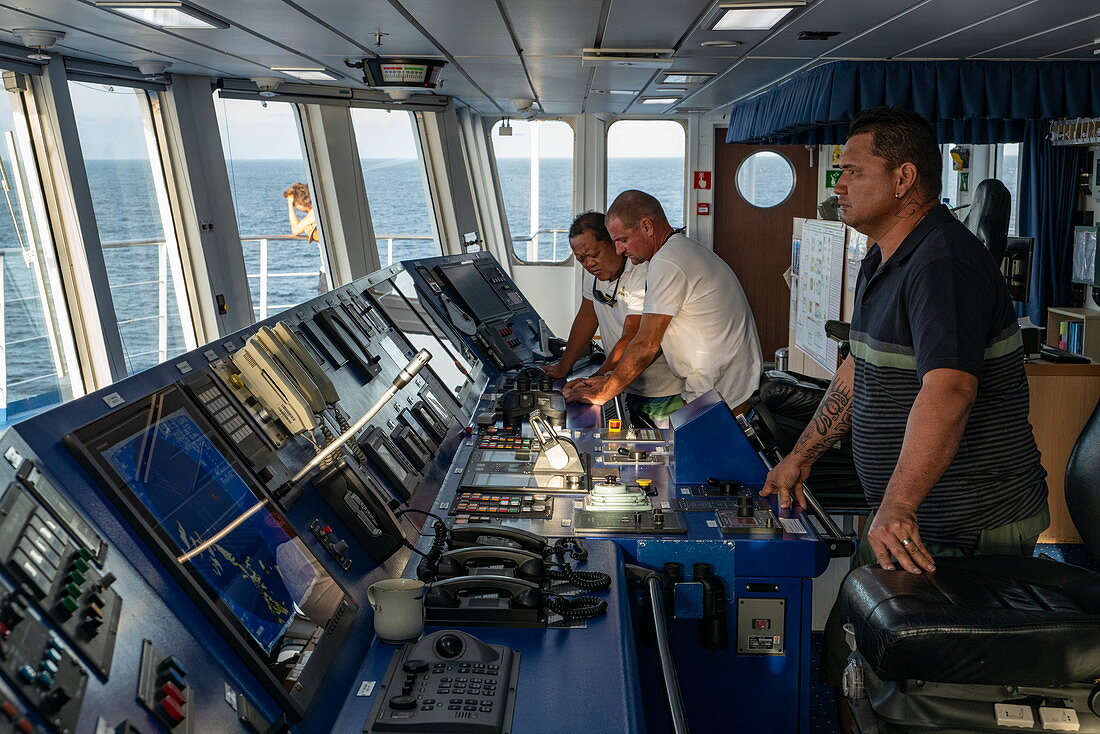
(574,608)
(426,569)
(587,580)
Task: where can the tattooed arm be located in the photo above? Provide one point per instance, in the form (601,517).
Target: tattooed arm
(831,422)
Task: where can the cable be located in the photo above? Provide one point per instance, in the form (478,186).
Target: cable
(575,608)
(426,569)
(587,580)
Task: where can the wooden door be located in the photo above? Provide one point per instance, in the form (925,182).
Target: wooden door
(756,240)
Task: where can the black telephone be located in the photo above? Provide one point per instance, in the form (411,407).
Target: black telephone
(360,505)
(484,599)
(491,559)
(465,536)
(449,682)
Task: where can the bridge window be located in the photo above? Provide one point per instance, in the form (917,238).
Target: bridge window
(283,247)
(535,166)
(648,155)
(1008,171)
(38,363)
(130,200)
(396,184)
(765,179)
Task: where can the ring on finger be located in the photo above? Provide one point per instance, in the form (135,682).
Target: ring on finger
(907,542)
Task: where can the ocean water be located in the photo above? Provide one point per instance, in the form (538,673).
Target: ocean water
(127,213)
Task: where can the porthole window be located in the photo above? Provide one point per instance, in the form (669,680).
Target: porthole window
(765,179)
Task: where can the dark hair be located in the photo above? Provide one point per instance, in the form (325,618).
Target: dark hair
(591,222)
(631,206)
(300,192)
(899,136)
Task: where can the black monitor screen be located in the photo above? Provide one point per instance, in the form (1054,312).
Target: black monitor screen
(470,285)
(196,503)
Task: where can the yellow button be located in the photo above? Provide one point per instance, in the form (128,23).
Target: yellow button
(644,483)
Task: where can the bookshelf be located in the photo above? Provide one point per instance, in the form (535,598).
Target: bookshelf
(1090,326)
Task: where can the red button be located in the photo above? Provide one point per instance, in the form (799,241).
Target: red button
(4,631)
(327,530)
(172,711)
(8,709)
(24,726)
(170,691)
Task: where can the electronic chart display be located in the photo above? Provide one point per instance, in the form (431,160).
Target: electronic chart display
(181,487)
(470,285)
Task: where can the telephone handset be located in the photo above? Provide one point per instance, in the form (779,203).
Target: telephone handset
(362,507)
(290,364)
(294,345)
(270,384)
(487,559)
(466,536)
(518,594)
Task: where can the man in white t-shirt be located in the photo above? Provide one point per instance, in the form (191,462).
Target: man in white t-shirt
(695,311)
(613,290)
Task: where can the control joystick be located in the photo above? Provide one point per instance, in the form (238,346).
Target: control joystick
(449,646)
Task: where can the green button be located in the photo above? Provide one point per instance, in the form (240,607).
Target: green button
(68,604)
(85,554)
(76,577)
(72,590)
(80,565)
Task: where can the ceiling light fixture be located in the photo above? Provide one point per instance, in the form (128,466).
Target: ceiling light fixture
(615,91)
(686,77)
(152,69)
(38,40)
(719,44)
(309,74)
(754,16)
(165,13)
(669,90)
(660,100)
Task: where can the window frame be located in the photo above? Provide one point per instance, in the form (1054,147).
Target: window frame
(682,122)
(509,249)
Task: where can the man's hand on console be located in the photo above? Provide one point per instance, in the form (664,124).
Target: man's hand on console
(556,370)
(590,390)
(785,479)
(894,532)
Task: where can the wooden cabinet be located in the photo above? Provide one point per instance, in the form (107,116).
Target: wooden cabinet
(1063,397)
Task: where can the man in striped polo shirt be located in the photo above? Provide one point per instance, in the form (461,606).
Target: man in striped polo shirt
(934,393)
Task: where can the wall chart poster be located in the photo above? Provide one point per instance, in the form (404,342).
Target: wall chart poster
(820,282)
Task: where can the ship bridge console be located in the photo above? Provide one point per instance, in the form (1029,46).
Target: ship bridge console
(191,549)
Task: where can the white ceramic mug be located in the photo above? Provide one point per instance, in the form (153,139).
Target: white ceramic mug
(398,608)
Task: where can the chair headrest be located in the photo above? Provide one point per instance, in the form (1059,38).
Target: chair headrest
(988,217)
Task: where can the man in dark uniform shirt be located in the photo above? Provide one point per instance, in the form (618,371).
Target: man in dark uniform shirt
(933,393)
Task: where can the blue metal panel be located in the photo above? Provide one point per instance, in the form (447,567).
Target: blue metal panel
(709,443)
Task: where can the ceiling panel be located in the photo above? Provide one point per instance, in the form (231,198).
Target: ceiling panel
(650,23)
(558,78)
(924,24)
(850,20)
(1083,31)
(501,77)
(464,27)
(561,27)
(1026,21)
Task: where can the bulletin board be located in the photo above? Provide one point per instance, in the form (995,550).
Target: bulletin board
(820,287)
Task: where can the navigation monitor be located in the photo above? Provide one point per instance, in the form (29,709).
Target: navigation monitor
(470,286)
(181,486)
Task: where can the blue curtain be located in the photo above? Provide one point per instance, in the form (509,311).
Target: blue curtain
(1048,198)
(978,102)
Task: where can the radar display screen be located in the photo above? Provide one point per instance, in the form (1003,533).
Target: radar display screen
(470,285)
(198,506)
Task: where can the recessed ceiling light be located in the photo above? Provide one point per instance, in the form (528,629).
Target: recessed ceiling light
(165,13)
(616,91)
(719,44)
(755,16)
(671,89)
(660,100)
(308,74)
(686,77)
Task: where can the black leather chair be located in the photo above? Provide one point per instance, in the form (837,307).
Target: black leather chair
(784,404)
(990,210)
(937,652)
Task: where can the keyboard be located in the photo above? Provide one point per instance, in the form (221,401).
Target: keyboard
(1053,354)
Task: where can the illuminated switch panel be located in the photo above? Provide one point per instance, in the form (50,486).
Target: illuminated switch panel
(163,689)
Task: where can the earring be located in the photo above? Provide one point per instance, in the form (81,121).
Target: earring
(897,196)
